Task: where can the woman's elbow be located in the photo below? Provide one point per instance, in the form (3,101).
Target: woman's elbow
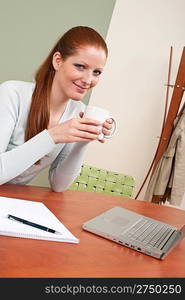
(59,188)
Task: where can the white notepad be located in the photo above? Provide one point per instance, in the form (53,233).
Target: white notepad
(35,212)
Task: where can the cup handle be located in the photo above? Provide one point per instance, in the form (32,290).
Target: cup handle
(113,130)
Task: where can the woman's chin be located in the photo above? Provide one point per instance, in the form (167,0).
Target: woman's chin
(77,97)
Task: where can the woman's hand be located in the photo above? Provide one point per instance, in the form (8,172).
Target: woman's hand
(76,130)
(106,127)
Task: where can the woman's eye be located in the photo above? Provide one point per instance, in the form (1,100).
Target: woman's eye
(80,67)
(97,72)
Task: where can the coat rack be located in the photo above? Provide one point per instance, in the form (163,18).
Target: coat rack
(168,122)
(178,91)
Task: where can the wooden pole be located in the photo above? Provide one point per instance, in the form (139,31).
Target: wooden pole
(168,122)
(178,91)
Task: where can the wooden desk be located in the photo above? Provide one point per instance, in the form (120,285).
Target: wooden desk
(94,256)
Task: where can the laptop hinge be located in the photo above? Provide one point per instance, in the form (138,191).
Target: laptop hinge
(171,243)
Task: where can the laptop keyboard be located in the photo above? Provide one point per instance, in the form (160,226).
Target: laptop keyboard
(150,233)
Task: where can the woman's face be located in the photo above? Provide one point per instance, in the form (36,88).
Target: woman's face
(78,73)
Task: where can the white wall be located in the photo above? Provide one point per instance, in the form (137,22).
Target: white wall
(132,87)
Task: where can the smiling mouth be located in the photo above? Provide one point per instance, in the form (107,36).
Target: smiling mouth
(80,87)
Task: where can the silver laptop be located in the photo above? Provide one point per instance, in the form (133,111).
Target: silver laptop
(136,231)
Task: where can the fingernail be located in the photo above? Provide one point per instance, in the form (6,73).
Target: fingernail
(101,136)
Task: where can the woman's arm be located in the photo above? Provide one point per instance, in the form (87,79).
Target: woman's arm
(77,133)
(67,166)
(23,155)
(16,161)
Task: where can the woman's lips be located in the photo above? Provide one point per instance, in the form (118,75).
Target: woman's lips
(80,89)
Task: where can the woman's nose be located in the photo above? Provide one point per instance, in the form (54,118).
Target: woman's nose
(87,79)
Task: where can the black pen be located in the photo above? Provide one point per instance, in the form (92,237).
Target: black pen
(14,218)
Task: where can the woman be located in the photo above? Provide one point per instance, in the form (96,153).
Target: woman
(40,125)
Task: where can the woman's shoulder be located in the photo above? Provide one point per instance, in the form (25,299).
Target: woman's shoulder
(16,93)
(17,85)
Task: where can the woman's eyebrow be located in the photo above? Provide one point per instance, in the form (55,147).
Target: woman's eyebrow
(87,65)
(83,63)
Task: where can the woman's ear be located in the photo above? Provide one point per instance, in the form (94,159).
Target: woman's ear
(57,60)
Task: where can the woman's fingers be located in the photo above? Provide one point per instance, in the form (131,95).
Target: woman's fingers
(86,135)
(80,129)
(89,121)
(86,128)
(90,128)
(108,124)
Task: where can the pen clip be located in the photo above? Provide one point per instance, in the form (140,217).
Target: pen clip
(12,218)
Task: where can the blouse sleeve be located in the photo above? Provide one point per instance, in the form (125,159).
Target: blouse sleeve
(17,160)
(66,167)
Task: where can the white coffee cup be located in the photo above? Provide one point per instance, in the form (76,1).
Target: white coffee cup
(100,114)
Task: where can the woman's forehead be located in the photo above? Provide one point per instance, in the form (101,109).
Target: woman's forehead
(90,54)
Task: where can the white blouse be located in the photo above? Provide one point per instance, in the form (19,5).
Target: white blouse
(17,157)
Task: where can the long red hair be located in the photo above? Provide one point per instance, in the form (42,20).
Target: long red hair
(68,44)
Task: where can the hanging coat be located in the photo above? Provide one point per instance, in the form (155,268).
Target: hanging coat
(168,179)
